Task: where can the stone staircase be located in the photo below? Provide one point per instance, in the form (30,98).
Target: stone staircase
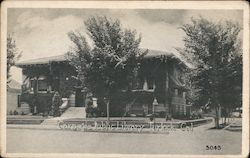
(51,121)
(234,126)
(71,112)
(75,112)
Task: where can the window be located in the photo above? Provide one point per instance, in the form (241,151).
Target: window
(150,84)
(42,85)
(180,93)
(32,85)
(55,84)
(18,101)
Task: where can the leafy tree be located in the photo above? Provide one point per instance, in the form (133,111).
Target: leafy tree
(13,54)
(109,66)
(215,51)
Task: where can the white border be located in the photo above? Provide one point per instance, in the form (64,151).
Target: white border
(127,5)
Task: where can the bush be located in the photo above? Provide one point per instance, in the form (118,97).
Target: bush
(91,111)
(10,112)
(162,114)
(151,118)
(56,102)
(168,117)
(181,116)
(88,110)
(15,112)
(196,116)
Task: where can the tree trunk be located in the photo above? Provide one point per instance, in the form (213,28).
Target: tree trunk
(225,119)
(216,120)
(108,119)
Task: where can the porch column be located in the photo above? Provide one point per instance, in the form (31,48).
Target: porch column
(145,85)
(36,85)
(185,110)
(166,103)
(184,95)
(176,92)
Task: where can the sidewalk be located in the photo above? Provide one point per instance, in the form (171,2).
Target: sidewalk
(71,123)
(36,127)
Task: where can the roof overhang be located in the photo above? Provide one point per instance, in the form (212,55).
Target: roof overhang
(42,61)
(151,54)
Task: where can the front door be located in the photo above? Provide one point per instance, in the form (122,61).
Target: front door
(80,98)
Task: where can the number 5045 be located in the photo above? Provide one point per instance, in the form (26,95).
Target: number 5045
(213,147)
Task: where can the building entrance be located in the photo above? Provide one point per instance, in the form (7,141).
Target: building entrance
(79,98)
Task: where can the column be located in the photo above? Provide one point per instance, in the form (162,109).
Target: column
(176,92)
(185,110)
(145,85)
(184,95)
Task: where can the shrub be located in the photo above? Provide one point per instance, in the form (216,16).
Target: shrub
(151,118)
(168,117)
(56,102)
(162,114)
(91,111)
(15,112)
(10,112)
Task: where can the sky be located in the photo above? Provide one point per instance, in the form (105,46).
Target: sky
(43,32)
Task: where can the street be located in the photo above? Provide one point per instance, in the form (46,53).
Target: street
(176,142)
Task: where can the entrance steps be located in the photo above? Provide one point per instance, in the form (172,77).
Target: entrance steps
(75,112)
(51,121)
(234,127)
(71,112)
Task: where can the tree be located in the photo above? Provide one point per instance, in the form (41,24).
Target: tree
(109,66)
(215,51)
(13,54)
